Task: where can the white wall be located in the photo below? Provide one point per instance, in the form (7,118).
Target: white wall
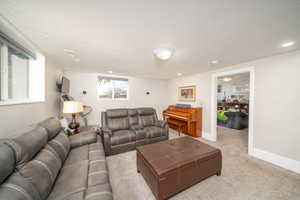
(15,117)
(277,95)
(137,94)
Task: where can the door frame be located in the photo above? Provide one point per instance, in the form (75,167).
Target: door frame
(214,84)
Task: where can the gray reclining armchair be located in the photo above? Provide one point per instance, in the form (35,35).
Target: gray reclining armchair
(125,129)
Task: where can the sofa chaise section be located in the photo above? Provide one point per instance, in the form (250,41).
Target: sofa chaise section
(45,163)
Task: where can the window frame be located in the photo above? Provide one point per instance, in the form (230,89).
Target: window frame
(113,89)
(34,66)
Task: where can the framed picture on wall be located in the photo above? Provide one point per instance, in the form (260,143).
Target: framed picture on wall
(187,93)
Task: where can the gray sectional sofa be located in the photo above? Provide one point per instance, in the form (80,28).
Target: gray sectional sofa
(45,163)
(125,129)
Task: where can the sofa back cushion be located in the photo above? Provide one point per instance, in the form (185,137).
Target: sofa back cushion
(60,145)
(52,125)
(117,119)
(7,161)
(147,116)
(42,172)
(17,187)
(133,117)
(27,145)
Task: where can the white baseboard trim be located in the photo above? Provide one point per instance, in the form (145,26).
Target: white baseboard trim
(208,136)
(278,160)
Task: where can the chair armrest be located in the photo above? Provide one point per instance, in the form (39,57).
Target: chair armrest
(106,130)
(82,139)
(106,133)
(160,123)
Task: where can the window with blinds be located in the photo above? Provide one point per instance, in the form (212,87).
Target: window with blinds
(14,74)
(112,88)
(22,73)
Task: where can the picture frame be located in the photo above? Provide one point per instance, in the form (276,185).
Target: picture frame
(187,93)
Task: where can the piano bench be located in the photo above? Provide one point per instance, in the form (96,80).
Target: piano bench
(178,124)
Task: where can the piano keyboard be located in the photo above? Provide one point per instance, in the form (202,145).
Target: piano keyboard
(173,115)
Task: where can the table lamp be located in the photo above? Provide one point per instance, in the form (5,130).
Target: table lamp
(73,107)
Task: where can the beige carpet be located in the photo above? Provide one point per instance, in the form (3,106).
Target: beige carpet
(243,177)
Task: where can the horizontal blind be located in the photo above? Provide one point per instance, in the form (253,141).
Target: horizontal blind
(15,45)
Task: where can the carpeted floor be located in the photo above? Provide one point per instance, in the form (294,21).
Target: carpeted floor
(243,177)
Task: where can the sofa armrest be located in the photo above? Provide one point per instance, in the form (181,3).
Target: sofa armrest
(106,133)
(82,139)
(106,130)
(160,123)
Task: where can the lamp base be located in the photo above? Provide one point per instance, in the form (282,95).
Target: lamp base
(74,125)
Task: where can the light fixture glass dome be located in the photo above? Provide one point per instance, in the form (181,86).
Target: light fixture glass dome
(163,53)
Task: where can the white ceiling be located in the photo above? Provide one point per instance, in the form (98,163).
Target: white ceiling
(235,79)
(120,35)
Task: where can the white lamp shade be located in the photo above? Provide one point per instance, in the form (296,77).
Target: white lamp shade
(72,107)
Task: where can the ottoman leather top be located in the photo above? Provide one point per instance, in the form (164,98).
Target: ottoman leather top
(169,155)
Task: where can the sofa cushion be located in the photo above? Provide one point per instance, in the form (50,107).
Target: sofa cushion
(42,172)
(133,117)
(122,136)
(27,145)
(154,131)
(72,179)
(98,173)
(147,120)
(77,155)
(82,139)
(141,134)
(146,111)
(118,123)
(52,125)
(7,161)
(61,145)
(117,113)
(75,196)
(97,192)
(18,188)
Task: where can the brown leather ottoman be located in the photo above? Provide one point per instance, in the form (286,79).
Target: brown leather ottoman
(171,166)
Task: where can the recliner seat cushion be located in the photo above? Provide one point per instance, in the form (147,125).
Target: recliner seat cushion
(72,179)
(98,192)
(122,137)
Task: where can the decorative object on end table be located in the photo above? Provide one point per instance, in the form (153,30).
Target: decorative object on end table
(73,107)
(187,93)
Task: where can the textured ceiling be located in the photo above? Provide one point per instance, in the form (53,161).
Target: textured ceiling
(120,36)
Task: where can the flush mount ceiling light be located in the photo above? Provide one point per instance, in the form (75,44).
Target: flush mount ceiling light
(227,79)
(179,74)
(163,53)
(214,62)
(288,44)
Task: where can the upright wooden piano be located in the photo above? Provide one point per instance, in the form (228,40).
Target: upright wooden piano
(191,116)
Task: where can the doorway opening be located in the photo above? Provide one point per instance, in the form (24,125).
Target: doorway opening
(232,106)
